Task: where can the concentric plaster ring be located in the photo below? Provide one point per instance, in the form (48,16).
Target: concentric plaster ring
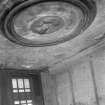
(47,23)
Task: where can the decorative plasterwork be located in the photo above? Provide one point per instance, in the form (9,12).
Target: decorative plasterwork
(46,23)
(16,56)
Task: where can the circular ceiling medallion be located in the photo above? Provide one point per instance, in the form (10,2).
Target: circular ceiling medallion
(45,23)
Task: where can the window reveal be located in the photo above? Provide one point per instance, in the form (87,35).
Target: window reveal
(21,87)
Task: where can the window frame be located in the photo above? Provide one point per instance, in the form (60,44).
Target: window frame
(6,74)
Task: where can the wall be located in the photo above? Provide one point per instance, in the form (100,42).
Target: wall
(79,83)
(63,89)
(49,88)
(99,70)
(83,83)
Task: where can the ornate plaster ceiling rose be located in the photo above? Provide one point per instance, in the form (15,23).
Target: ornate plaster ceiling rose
(46,23)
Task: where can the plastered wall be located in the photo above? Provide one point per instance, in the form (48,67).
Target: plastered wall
(75,86)
(49,89)
(83,83)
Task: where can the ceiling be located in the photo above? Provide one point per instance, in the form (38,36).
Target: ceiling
(17,56)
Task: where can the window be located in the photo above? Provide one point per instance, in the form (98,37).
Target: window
(21,91)
(20,85)
(21,88)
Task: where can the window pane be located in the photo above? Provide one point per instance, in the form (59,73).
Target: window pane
(27,90)
(20,83)
(29,101)
(14,83)
(23,101)
(29,104)
(15,91)
(16,102)
(21,90)
(26,83)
